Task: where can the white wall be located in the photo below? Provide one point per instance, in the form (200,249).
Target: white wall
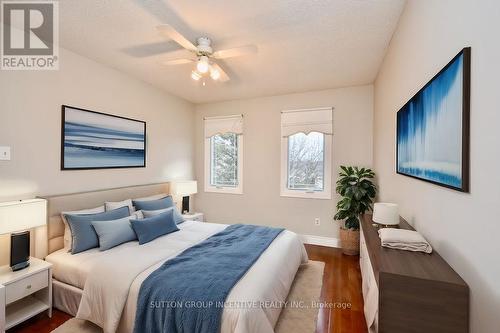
(30,122)
(261,202)
(464,228)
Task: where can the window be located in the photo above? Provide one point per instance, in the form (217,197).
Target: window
(223,154)
(306,161)
(306,158)
(224,160)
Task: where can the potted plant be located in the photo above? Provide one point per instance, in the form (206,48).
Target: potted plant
(357,190)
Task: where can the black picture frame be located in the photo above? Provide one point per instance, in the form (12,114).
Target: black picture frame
(465,149)
(63,134)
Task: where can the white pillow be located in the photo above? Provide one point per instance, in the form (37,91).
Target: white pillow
(153,197)
(68,241)
(119,204)
(137,215)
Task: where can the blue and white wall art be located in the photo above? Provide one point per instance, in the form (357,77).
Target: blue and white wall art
(433,128)
(93,140)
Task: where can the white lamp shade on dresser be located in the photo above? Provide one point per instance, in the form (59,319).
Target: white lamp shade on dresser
(184,188)
(385,213)
(22,215)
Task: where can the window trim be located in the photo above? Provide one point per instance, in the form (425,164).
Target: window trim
(326,194)
(208,161)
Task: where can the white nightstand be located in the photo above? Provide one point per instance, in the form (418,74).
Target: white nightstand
(25,293)
(194,217)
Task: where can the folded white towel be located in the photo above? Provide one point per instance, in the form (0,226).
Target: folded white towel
(401,239)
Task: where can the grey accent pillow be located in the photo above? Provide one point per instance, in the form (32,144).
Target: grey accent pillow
(83,233)
(114,232)
(176,214)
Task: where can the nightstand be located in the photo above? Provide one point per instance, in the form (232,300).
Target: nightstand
(25,293)
(194,217)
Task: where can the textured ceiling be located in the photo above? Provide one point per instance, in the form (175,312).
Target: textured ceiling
(303,44)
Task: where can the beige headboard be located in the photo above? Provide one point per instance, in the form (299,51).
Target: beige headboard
(68,202)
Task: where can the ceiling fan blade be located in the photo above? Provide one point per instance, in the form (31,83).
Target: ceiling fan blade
(174,35)
(223,76)
(236,52)
(177,61)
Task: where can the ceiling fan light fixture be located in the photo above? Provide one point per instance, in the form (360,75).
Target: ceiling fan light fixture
(214,73)
(202,66)
(202,54)
(195,75)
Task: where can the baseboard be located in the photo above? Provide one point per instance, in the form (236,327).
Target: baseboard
(320,240)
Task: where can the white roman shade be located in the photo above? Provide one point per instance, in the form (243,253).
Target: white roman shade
(307,121)
(224,124)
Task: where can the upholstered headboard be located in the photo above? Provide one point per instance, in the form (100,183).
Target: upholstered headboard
(54,237)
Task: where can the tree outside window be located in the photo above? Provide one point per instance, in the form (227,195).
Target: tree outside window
(306,155)
(224,160)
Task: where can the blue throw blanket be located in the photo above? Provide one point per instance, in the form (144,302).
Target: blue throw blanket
(186,294)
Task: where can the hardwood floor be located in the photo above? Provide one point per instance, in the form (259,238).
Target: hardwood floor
(341,288)
(41,323)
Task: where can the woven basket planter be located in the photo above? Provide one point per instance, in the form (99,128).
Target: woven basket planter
(349,240)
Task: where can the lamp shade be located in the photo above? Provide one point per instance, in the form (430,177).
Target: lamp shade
(22,215)
(385,213)
(184,188)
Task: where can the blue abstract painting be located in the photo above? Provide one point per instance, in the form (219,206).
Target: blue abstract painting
(93,140)
(430,129)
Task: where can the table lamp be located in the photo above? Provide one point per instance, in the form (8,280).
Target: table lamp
(16,217)
(385,214)
(184,189)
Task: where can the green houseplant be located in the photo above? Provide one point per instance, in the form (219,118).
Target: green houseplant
(357,190)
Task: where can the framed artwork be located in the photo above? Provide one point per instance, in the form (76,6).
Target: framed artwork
(95,140)
(432,135)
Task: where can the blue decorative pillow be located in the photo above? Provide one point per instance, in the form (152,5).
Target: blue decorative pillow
(177,215)
(113,233)
(153,227)
(154,204)
(83,234)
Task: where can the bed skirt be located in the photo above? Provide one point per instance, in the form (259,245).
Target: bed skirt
(66,297)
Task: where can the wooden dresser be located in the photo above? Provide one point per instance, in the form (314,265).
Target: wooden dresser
(408,292)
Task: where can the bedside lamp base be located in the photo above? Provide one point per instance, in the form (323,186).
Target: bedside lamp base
(185,204)
(21,265)
(19,250)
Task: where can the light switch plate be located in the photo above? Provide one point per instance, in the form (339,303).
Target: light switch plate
(4,153)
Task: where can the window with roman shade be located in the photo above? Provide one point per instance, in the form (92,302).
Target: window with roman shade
(306,153)
(224,154)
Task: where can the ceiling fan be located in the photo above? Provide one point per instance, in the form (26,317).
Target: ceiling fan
(203,55)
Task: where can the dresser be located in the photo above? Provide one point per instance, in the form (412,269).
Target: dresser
(409,292)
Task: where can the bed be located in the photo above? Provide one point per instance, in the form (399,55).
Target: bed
(105,285)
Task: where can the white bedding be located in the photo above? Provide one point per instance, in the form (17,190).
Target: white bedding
(73,269)
(112,279)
